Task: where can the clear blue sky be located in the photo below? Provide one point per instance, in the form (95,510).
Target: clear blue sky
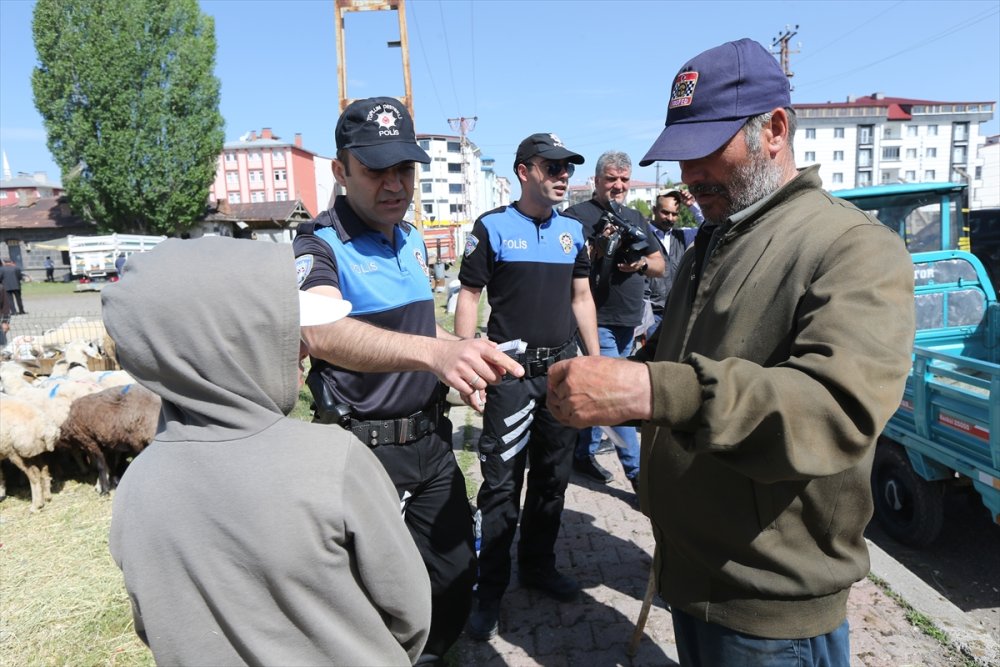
(597,73)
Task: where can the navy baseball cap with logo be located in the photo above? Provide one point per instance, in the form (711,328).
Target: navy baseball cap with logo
(547,146)
(379,133)
(712,97)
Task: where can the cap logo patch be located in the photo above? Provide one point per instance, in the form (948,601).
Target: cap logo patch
(556,141)
(682,94)
(470,244)
(303,265)
(386,117)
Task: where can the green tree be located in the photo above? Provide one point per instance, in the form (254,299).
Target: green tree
(131,106)
(642,207)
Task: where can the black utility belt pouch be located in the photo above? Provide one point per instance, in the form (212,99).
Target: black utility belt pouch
(375,432)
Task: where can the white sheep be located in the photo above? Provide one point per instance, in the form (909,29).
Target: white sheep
(26,435)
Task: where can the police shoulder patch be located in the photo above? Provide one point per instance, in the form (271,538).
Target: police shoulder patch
(303,265)
(471,242)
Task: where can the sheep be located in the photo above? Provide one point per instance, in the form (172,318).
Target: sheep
(74,366)
(117,420)
(26,435)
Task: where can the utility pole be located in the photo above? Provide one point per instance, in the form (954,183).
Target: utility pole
(781,42)
(342,7)
(463,126)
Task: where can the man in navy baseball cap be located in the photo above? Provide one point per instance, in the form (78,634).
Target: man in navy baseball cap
(712,97)
(379,133)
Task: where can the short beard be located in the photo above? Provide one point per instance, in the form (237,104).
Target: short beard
(752,181)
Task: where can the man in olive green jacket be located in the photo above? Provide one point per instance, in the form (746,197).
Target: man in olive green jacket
(784,349)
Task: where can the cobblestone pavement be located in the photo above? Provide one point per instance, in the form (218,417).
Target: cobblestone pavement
(607,545)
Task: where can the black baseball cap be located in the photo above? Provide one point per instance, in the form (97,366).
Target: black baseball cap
(712,97)
(379,133)
(547,146)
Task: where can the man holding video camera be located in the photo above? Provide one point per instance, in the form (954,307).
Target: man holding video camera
(623,250)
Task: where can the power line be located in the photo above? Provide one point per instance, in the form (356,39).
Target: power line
(447,50)
(920,44)
(423,51)
(859,26)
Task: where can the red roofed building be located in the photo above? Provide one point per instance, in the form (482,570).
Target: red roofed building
(878,139)
(264,168)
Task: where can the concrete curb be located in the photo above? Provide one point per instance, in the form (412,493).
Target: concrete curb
(967,635)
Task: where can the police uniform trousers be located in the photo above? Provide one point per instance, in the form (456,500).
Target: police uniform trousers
(435,508)
(518,429)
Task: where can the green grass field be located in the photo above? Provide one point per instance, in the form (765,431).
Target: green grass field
(62,600)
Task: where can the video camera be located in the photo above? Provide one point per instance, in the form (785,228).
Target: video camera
(626,244)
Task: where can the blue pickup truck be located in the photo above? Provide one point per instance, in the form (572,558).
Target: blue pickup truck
(946,431)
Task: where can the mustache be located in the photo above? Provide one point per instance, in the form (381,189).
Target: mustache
(706,190)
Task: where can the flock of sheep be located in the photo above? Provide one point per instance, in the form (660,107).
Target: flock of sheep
(73,417)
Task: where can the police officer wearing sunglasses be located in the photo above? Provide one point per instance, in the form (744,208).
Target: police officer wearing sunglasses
(533,262)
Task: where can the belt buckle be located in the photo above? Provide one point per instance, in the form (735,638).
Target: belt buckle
(405,431)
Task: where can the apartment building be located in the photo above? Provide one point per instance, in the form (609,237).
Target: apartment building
(459,184)
(264,168)
(877,139)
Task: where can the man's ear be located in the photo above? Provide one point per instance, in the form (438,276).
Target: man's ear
(776,132)
(339,172)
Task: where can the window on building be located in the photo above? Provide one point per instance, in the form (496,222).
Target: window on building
(456,188)
(424,166)
(865,157)
(454,147)
(865,133)
(425,144)
(232,179)
(254,157)
(838,177)
(911,130)
(931,152)
(234,197)
(979,173)
(911,176)
(887,132)
(256,176)
(810,133)
(428,209)
(932,130)
(257,196)
(838,133)
(959,154)
(887,177)
(961,131)
(278,157)
(230,160)
(454,167)
(911,153)
(456,208)
(280,176)
(864,179)
(838,156)
(929,175)
(3,194)
(281,195)
(890,152)
(810,156)
(426,187)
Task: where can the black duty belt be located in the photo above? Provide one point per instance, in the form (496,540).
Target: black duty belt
(375,432)
(537,360)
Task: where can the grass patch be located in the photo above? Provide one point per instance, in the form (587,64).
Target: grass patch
(62,599)
(921,621)
(40,288)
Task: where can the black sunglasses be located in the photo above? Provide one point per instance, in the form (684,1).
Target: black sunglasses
(554,168)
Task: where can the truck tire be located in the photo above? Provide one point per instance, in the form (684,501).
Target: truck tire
(909,508)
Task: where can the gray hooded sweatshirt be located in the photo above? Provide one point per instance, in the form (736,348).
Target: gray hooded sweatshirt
(246,537)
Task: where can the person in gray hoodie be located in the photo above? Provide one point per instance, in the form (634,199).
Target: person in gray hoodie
(244,536)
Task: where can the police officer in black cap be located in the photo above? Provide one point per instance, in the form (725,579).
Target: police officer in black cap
(534,265)
(377,371)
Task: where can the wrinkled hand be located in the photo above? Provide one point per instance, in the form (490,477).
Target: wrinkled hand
(469,365)
(590,391)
